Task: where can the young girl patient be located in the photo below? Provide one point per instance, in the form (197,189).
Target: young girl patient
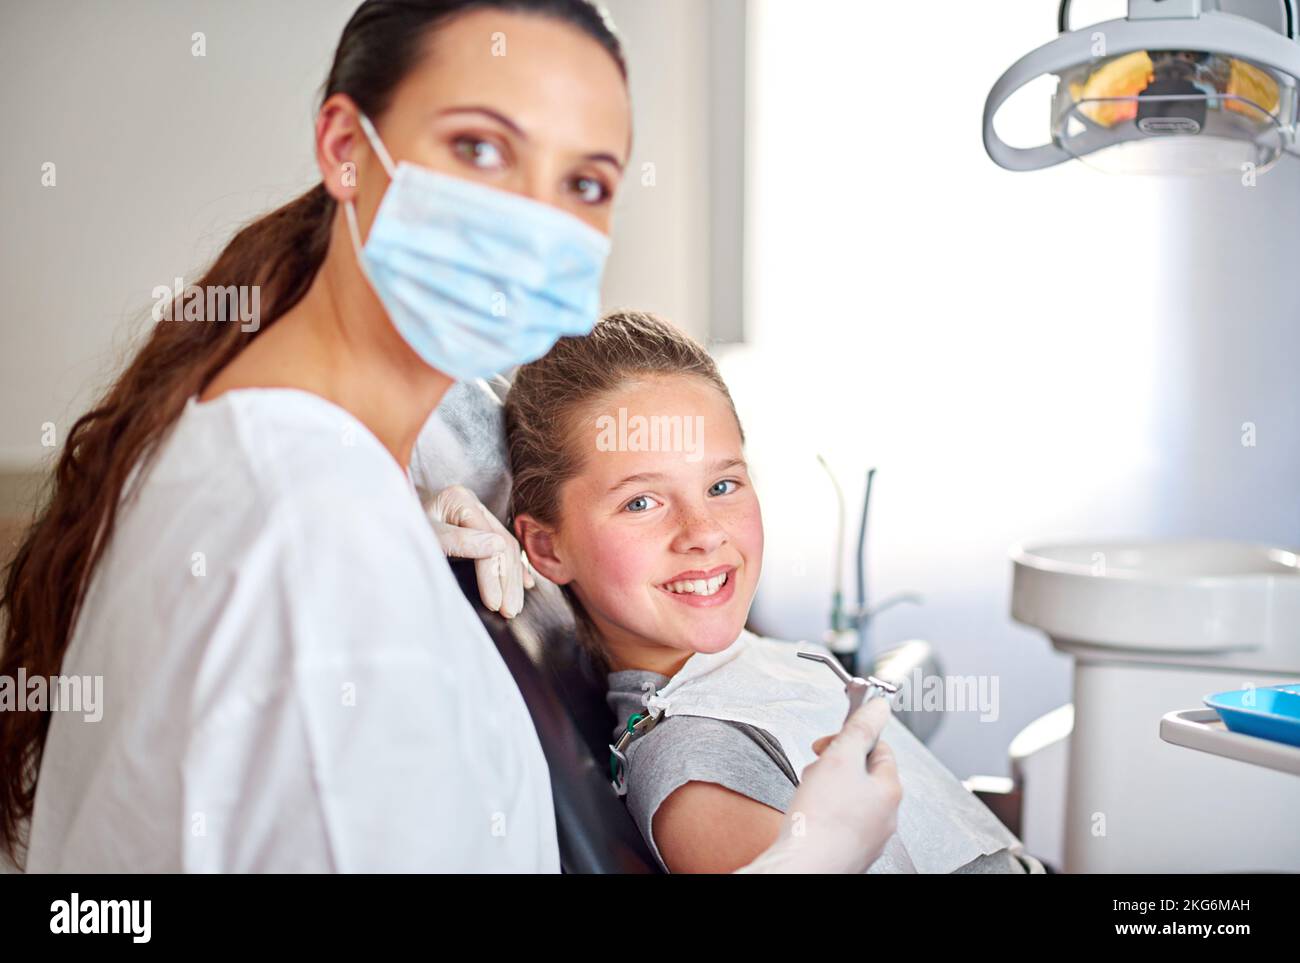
(631,492)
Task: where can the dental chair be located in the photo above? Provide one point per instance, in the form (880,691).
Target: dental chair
(566,699)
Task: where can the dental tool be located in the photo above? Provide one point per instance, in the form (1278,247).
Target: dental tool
(858,689)
(850,632)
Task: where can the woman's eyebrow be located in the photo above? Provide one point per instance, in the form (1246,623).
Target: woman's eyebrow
(607,158)
(496,115)
(719,464)
(504,121)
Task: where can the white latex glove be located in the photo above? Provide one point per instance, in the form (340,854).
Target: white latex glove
(466,529)
(844,811)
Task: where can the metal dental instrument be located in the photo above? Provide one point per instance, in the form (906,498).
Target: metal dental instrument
(858,689)
(850,631)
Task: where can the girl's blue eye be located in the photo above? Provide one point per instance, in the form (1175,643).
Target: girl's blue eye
(481,153)
(638,500)
(726,481)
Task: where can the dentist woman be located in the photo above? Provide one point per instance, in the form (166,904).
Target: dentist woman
(292,680)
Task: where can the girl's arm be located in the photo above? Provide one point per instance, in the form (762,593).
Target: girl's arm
(702,827)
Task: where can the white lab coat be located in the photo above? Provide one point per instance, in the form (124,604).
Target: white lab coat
(292,679)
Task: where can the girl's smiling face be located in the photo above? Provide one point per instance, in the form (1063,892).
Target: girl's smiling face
(663,548)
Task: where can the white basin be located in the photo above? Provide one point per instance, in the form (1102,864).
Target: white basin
(1154,627)
(1217,602)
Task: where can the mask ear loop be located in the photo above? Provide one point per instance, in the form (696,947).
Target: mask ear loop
(390,168)
(350,212)
(377,145)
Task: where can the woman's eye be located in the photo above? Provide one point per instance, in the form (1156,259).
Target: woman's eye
(590,190)
(639,504)
(481,153)
(713,489)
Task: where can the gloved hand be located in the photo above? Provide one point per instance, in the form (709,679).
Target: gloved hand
(466,529)
(844,811)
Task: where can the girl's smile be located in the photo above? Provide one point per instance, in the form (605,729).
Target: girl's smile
(703,589)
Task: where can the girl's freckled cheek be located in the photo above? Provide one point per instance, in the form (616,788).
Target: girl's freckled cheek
(619,558)
(754,530)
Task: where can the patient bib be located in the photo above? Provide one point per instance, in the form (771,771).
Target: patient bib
(762,682)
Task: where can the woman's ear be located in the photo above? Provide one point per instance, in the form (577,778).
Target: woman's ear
(339,146)
(540,544)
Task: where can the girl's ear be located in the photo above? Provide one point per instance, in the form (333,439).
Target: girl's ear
(539,542)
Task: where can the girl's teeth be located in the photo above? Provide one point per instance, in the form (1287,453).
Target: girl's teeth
(699,586)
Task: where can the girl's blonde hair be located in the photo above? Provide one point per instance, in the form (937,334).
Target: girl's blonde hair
(549,396)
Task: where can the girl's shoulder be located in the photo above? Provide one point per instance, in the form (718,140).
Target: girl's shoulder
(682,749)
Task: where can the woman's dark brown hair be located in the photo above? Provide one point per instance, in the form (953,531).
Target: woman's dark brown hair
(549,398)
(47,580)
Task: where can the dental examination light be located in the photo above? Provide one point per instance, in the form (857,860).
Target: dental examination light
(1179,86)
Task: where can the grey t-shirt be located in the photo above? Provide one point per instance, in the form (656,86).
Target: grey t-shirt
(741,757)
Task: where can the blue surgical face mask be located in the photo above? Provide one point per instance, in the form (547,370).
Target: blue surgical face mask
(475,279)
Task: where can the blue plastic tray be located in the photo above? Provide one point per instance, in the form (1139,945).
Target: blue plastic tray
(1271,712)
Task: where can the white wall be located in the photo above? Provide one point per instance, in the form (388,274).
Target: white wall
(159,156)
(660,258)
(1023,356)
